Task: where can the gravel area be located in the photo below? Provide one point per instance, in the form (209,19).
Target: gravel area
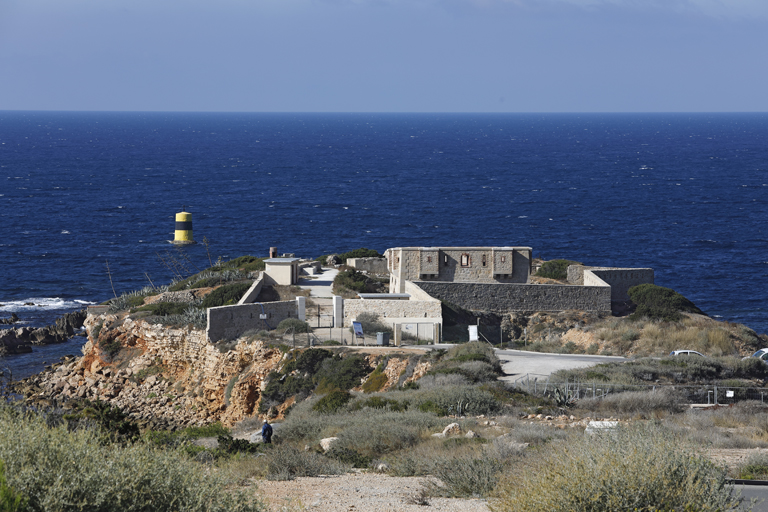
(360,492)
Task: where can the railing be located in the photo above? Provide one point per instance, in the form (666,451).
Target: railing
(711,394)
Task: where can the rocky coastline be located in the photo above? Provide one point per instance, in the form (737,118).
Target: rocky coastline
(161,377)
(22,339)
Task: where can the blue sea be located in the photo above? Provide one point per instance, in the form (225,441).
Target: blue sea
(684,194)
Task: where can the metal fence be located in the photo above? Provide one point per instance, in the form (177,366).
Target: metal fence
(694,394)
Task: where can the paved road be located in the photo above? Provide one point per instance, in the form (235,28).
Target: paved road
(516,363)
(757,492)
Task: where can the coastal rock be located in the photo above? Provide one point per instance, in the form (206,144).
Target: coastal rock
(10,320)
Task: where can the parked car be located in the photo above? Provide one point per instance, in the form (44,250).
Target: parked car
(686,353)
(761,354)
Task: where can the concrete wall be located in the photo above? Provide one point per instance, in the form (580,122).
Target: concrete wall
(390,311)
(417,293)
(370,265)
(503,298)
(253,291)
(229,322)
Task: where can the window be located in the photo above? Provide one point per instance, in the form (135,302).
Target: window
(503,259)
(485,262)
(445,260)
(429,259)
(465,260)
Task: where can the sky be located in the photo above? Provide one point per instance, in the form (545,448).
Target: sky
(385,55)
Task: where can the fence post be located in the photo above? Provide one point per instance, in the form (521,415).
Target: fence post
(715,395)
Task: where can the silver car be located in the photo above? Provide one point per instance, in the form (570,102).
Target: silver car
(686,353)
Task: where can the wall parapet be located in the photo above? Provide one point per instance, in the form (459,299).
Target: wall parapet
(391,311)
(230,322)
(507,297)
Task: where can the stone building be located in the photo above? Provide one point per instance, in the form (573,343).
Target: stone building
(458,265)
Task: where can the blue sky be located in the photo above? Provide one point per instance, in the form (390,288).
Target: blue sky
(385,55)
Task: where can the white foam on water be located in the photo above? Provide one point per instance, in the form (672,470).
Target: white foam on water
(41,303)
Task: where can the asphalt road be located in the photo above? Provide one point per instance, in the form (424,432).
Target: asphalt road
(517,363)
(757,492)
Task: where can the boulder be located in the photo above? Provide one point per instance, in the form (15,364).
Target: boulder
(471,435)
(10,320)
(452,429)
(327,443)
(333,260)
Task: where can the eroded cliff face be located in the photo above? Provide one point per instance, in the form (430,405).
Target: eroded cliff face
(162,377)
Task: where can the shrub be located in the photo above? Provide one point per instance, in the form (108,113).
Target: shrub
(60,470)
(333,401)
(359,253)
(341,373)
(657,302)
(640,468)
(556,269)
(465,477)
(635,402)
(246,263)
(10,500)
(377,380)
(293,324)
(285,462)
(755,467)
(115,425)
(225,295)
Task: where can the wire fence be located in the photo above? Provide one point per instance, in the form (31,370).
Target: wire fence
(695,394)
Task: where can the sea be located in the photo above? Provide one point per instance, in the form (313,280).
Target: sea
(87,199)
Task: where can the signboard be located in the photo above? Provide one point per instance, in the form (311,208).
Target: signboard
(358,328)
(473,333)
(729,393)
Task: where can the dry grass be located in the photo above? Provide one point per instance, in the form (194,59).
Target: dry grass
(644,468)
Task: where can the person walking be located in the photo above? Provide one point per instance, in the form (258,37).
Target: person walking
(266,432)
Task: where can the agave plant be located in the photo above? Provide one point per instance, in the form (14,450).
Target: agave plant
(563,398)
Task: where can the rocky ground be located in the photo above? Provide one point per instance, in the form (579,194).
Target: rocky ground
(20,340)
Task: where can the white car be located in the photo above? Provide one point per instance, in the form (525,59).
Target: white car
(761,354)
(686,353)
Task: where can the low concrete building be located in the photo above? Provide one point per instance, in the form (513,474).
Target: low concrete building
(283,271)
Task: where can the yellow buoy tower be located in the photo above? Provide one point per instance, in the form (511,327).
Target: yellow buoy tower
(183,233)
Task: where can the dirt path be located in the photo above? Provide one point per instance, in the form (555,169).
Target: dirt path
(358,492)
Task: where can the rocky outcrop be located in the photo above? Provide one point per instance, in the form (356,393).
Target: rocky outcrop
(10,320)
(17,341)
(161,377)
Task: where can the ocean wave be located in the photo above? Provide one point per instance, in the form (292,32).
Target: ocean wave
(42,303)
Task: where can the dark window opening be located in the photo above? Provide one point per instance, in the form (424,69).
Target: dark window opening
(429,259)
(485,262)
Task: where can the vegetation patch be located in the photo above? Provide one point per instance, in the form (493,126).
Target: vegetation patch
(293,325)
(225,295)
(555,269)
(333,401)
(657,302)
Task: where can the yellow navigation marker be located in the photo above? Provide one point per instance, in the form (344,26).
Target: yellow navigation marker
(183,233)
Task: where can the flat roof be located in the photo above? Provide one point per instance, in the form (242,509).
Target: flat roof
(280,260)
(384,295)
(465,248)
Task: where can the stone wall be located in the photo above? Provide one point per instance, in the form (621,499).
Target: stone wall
(370,265)
(229,322)
(619,279)
(503,298)
(389,310)
(622,279)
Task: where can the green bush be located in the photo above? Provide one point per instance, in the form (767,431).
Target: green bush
(225,295)
(10,500)
(114,424)
(556,269)
(333,401)
(465,477)
(642,468)
(657,302)
(293,324)
(359,253)
(341,373)
(59,470)
(246,263)
(377,380)
(755,467)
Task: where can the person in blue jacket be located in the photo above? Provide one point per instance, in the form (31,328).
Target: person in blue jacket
(266,432)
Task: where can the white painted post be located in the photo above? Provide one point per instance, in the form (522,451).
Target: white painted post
(338,311)
(301,307)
